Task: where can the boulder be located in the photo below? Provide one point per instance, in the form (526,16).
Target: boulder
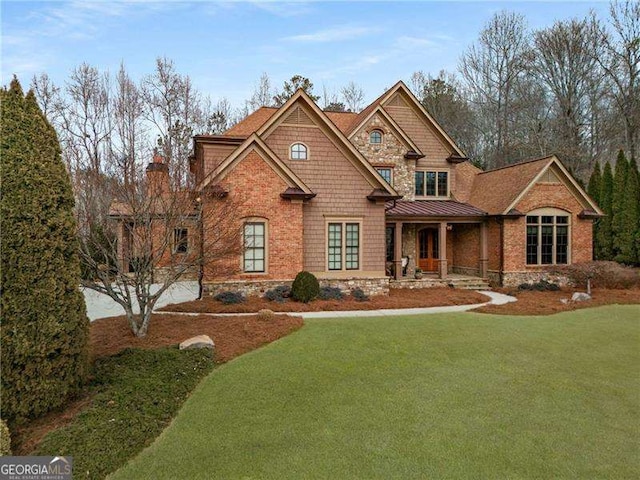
(564,300)
(580,297)
(199,341)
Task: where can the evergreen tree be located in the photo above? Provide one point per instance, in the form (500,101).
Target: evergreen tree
(619,216)
(44,322)
(629,236)
(593,190)
(604,238)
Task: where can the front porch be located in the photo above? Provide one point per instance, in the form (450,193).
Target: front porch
(451,249)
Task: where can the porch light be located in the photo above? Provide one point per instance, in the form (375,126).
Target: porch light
(449,227)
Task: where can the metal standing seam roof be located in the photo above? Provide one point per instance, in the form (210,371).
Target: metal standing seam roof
(432,208)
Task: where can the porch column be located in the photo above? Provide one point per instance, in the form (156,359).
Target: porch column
(442,249)
(484,249)
(397,251)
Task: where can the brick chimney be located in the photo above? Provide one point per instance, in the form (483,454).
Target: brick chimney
(158,175)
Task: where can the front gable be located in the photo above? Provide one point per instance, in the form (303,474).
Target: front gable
(301,118)
(554,186)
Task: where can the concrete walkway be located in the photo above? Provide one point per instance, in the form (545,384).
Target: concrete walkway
(496,299)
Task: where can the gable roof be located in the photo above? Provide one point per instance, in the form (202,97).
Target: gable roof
(340,140)
(342,120)
(401,87)
(391,123)
(499,190)
(254,142)
(251,123)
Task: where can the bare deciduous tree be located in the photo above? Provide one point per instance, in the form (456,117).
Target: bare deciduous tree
(491,69)
(352,96)
(262,95)
(565,63)
(154,236)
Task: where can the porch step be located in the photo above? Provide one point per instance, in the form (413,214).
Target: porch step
(470,283)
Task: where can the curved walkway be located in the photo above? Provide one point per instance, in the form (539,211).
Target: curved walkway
(496,299)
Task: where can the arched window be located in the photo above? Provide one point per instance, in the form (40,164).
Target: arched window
(375,136)
(299,151)
(548,237)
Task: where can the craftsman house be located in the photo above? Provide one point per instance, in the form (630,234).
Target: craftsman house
(370,199)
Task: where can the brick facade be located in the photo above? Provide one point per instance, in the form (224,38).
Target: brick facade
(255,189)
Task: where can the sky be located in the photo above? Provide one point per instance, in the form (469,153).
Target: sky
(225,46)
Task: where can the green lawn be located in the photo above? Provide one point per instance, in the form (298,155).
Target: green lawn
(437,396)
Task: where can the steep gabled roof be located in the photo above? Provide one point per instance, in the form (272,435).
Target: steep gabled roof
(391,123)
(339,139)
(498,191)
(254,142)
(251,123)
(342,120)
(400,86)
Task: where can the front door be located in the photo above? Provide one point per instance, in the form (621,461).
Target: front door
(428,249)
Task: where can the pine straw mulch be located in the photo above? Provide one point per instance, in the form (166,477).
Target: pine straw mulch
(548,303)
(232,336)
(397,298)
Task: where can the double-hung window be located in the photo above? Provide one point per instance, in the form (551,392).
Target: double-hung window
(343,245)
(547,239)
(254,247)
(431,183)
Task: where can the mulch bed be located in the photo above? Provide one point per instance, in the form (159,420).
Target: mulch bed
(232,336)
(397,298)
(547,303)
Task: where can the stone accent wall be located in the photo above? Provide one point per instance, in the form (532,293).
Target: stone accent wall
(409,247)
(514,279)
(474,272)
(370,286)
(389,153)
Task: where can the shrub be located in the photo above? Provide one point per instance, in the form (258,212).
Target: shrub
(359,295)
(305,287)
(602,274)
(265,314)
(5,439)
(330,293)
(541,286)
(44,322)
(230,298)
(278,294)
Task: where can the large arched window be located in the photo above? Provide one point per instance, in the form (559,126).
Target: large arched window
(299,151)
(548,237)
(375,136)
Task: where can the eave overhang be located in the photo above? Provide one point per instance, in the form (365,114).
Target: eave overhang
(297,194)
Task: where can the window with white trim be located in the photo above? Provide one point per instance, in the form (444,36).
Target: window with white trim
(431,183)
(343,246)
(254,258)
(547,238)
(299,151)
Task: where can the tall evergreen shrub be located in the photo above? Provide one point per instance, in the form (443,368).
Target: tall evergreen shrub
(44,323)
(604,236)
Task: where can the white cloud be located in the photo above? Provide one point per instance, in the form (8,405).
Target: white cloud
(335,34)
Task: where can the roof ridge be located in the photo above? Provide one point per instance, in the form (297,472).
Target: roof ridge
(517,164)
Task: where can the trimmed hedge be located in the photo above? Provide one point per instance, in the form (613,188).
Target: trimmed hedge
(305,287)
(44,322)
